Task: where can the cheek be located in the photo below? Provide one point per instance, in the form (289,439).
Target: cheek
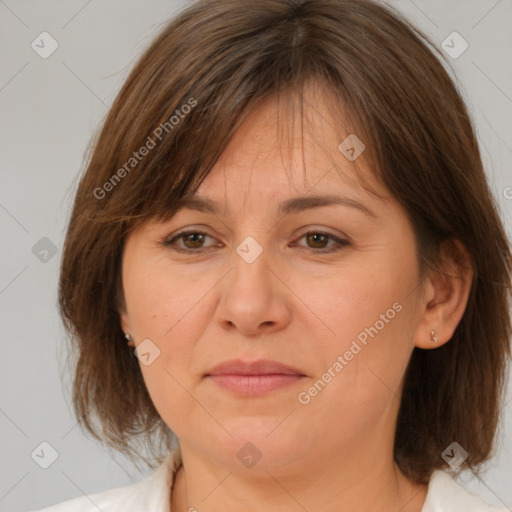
(373,315)
(170,310)
(357,384)
(159,299)
(361,300)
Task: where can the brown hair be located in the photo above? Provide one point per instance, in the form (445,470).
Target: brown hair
(219,58)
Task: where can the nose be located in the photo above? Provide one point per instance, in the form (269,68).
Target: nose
(254,299)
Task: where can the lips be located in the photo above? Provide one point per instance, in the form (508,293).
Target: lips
(261,367)
(253,378)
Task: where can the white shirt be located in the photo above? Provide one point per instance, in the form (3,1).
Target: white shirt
(152,494)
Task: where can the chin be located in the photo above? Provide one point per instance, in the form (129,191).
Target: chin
(259,443)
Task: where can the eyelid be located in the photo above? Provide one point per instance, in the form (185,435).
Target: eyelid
(171,239)
(340,242)
(325,231)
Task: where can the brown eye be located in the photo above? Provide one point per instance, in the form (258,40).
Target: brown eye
(194,239)
(318,239)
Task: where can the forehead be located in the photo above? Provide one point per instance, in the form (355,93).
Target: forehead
(293,145)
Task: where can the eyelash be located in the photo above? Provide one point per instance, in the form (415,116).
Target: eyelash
(341,244)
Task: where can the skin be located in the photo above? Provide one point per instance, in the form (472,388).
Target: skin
(294,306)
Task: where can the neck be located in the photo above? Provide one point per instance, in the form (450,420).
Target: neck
(348,482)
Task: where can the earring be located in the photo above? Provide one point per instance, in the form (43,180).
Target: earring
(129,338)
(433,336)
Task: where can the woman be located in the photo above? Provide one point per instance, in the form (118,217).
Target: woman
(286,215)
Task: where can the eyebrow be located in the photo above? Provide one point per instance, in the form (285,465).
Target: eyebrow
(290,206)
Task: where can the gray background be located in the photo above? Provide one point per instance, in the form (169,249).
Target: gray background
(50,108)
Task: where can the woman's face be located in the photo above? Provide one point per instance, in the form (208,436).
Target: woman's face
(330,290)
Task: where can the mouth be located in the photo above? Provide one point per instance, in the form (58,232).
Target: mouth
(254,378)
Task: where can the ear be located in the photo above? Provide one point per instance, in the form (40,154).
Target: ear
(122,310)
(446,293)
(121,306)
(126,326)
(125,321)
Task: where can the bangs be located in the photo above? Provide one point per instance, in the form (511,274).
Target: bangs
(169,130)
